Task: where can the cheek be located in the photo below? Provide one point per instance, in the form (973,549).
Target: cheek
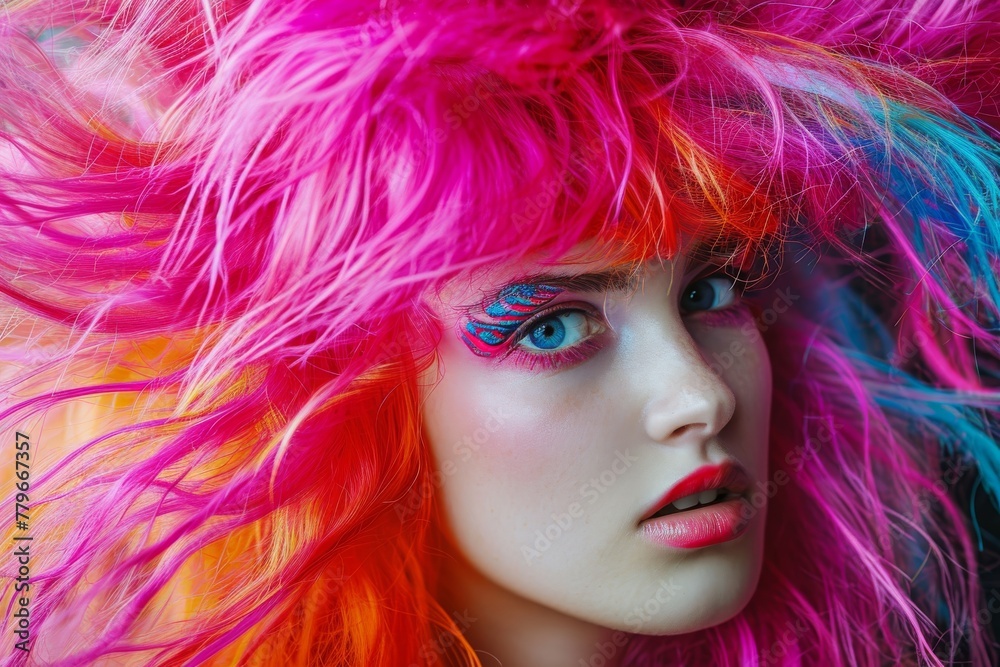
(735,349)
(487,428)
(509,448)
(749,374)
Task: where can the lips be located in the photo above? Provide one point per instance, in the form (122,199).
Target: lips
(728,479)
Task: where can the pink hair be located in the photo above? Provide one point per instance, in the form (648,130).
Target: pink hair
(219,220)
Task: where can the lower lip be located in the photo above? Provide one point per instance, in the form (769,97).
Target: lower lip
(700,527)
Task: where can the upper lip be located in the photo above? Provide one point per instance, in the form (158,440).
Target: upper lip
(728,474)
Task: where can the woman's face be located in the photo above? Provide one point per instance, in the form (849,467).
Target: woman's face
(568,411)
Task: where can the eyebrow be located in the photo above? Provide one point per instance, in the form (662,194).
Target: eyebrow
(622,278)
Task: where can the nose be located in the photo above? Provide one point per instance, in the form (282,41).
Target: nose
(687,400)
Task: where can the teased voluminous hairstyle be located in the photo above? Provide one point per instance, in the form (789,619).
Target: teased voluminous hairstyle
(218,219)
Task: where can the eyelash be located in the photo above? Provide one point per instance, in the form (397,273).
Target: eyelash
(726,315)
(570,355)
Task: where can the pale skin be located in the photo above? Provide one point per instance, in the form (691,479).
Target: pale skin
(546,471)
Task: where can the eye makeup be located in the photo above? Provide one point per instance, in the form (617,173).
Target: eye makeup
(593,342)
(517,302)
(514,306)
(734,315)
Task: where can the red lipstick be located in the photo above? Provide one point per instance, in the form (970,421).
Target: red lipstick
(700,526)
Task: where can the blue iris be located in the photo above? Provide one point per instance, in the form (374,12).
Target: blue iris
(549,333)
(700,296)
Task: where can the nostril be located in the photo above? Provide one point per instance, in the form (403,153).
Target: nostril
(681,430)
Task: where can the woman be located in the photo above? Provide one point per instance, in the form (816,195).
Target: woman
(458,333)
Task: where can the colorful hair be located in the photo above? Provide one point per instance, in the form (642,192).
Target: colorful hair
(219,221)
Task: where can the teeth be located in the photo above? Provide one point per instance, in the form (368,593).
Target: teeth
(703,498)
(686,502)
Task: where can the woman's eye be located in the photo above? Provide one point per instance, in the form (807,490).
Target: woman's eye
(709,293)
(556,331)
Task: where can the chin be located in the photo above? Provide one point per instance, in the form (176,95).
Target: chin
(701,600)
(703,619)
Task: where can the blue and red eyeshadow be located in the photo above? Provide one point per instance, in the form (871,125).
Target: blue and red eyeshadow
(514,306)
